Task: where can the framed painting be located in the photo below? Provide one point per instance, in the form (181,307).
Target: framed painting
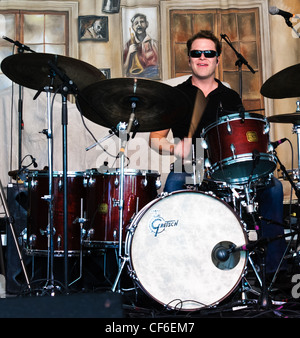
(141,53)
(93,28)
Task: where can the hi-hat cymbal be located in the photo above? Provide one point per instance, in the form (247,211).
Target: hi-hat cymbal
(32,70)
(109,102)
(284,84)
(293,118)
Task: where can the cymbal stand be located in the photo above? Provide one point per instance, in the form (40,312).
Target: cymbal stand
(49,197)
(67,86)
(124,138)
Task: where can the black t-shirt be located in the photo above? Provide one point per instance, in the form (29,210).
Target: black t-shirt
(221,101)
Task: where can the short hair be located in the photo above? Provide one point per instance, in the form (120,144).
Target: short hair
(137,15)
(205,34)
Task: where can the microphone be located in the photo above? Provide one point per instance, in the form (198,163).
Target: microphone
(33,161)
(276,11)
(18,44)
(276,143)
(222,254)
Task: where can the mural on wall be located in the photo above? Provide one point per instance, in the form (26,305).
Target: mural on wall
(141,56)
(93,27)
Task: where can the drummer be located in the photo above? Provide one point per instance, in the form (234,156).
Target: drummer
(204,50)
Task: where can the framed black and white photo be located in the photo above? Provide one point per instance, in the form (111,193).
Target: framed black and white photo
(92,27)
(111,6)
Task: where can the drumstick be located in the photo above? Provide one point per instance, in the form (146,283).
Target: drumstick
(199,107)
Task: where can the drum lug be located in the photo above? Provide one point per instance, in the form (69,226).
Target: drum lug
(158,184)
(90,233)
(267,128)
(59,242)
(145,182)
(229,129)
(116,202)
(232,148)
(116,182)
(91,181)
(270,148)
(47,231)
(32,240)
(204,144)
(46,198)
(207,163)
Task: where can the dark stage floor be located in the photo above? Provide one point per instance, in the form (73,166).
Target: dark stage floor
(91,296)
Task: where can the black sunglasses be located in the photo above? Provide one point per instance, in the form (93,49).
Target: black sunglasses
(207,53)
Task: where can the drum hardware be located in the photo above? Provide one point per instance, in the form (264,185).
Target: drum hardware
(35,71)
(81,221)
(124,138)
(111,133)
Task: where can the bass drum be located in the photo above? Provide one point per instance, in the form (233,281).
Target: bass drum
(174,245)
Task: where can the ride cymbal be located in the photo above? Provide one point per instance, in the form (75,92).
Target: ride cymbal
(157,105)
(284,84)
(32,70)
(293,118)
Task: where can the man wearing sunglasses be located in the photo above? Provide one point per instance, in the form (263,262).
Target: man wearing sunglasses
(203,51)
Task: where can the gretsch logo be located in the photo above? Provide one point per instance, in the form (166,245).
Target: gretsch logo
(157,224)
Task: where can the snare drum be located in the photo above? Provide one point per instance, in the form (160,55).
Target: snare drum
(38,212)
(172,247)
(238,148)
(140,187)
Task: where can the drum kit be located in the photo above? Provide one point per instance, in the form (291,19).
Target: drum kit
(172,254)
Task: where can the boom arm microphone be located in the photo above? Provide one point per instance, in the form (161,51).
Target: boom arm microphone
(273,10)
(277,143)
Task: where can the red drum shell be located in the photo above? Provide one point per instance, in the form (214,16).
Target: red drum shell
(38,212)
(231,143)
(140,187)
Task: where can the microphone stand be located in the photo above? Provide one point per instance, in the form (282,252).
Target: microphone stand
(288,22)
(240,61)
(21,49)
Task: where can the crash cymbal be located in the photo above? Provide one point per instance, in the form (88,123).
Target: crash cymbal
(32,70)
(109,102)
(293,118)
(284,84)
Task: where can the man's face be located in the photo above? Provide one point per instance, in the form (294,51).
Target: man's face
(139,25)
(201,66)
